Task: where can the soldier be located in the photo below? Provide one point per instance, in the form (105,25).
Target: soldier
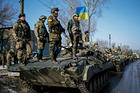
(55,30)
(41,35)
(85,37)
(113,50)
(74,33)
(119,50)
(21,32)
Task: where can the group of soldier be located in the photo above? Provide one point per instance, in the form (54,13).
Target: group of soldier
(21,33)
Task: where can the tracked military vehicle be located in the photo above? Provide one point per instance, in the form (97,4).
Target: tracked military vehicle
(120,60)
(86,73)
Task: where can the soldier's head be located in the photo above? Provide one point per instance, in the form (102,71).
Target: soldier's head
(119,47)
(75,16)
(55,11)
(22,17)
(113,46)
(42,18)
(86,32)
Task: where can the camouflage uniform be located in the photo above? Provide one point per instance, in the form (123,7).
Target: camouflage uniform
(11,57)
(42,34)
(21,32)
(75,34)
(1,58)
(85,37)
(55,30)
(114,50)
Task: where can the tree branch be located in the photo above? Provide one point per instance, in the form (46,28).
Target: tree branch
(94,7)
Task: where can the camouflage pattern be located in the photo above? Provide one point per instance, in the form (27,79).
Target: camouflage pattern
(55,47)
(75,34)
(1,58)
(118,57)
(90,68)
(69,73)
(85,37)
(41,34)
(68,41)
(53,12)
(21,32)
(55,29)
(11,57)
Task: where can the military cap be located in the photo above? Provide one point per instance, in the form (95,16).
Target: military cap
(21,15)
(42,17)
(54,9)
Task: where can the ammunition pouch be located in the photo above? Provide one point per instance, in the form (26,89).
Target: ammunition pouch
(54,36)
(55,30)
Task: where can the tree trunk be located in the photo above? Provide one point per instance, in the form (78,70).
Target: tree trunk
(88,28)
(88,20)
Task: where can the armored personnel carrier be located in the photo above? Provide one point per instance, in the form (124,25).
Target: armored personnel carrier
(86,73)
(120,60)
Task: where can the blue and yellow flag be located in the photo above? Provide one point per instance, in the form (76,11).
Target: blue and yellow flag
(82,11)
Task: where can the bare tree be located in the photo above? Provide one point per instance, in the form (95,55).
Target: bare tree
(68,7)
(7,13)
(103,43)
(93,6)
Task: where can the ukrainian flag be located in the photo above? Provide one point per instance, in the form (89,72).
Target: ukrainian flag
(82,11)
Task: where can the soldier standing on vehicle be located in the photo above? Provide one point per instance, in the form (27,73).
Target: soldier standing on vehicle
(55,29)
(22,34)
(41,35)
(74,33)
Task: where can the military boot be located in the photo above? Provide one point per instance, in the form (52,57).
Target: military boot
(54,61)
(38,57)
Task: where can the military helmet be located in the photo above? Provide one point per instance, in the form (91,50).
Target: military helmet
(42,17)
(86,32)
(54,9)
(21,15)
(76,15)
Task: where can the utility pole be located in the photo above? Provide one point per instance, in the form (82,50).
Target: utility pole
(21,6)
(110,40)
